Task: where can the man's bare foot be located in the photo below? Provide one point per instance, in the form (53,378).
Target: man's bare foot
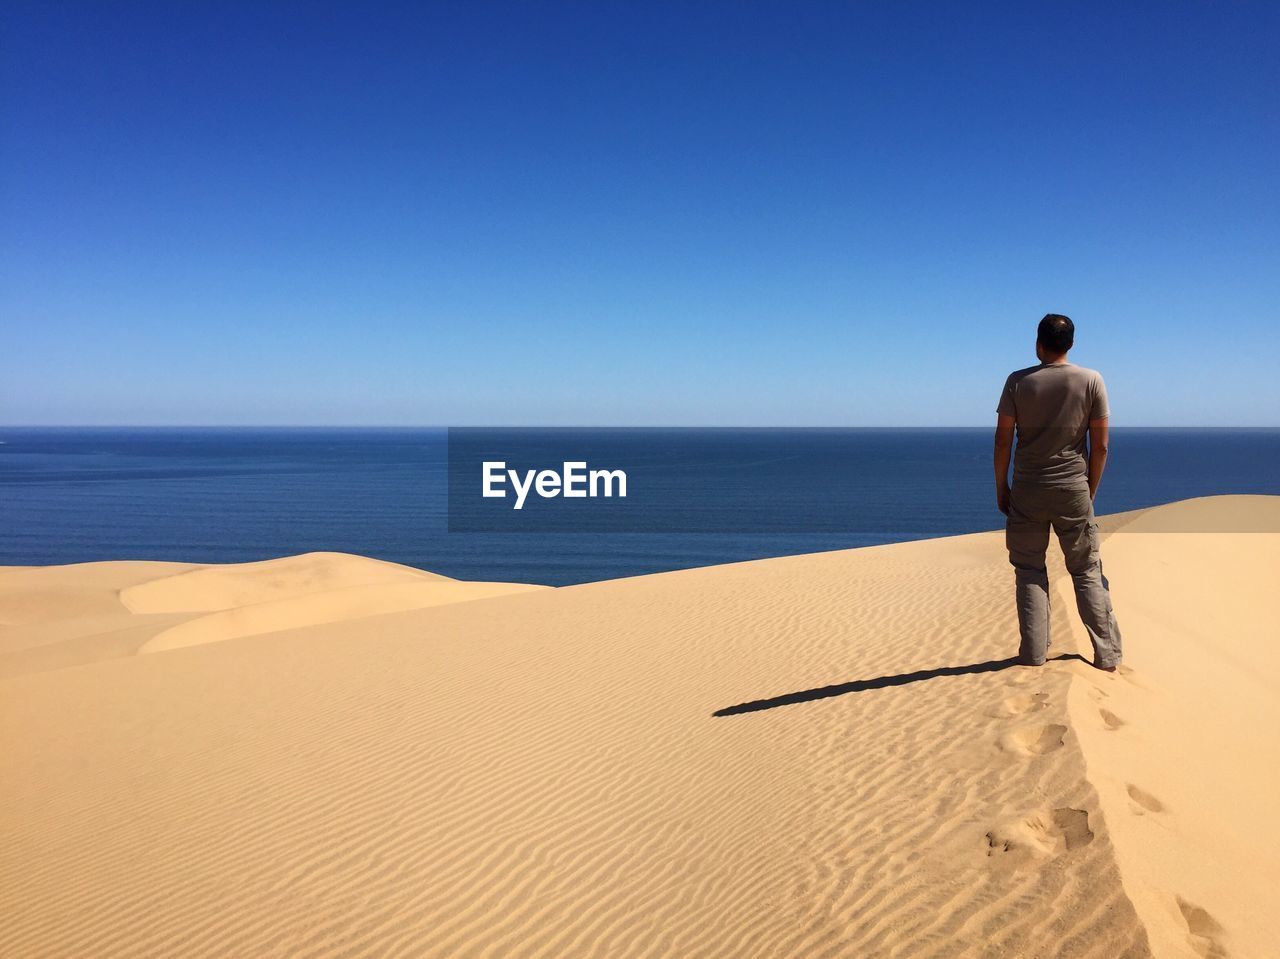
(1107,669)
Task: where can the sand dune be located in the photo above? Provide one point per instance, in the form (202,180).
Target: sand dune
(59,616)
(208,588)
(823,755)
(39,594)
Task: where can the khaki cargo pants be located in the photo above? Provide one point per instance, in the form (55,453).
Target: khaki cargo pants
(1069,510)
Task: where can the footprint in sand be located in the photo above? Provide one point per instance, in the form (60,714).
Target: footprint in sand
(1128,674)
(1039,836)
(1034,740)
(1110,719)
(1020,705)
(1203,931)
(1143,801)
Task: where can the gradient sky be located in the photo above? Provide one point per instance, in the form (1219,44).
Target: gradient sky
(738,213)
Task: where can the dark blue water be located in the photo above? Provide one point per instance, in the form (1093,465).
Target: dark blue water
(232,495)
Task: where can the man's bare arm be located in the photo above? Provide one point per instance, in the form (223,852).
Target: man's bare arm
(1099,430)
(1003,453)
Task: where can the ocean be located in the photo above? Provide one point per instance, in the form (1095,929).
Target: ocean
(217,495)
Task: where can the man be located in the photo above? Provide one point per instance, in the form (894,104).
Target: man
(1055,406)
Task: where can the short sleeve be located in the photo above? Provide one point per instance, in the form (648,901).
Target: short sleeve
(1005,406)
(1100,409)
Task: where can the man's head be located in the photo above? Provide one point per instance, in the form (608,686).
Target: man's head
(1054,336)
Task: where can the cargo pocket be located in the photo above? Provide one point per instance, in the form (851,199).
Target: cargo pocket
(1079,543)
(1095,540)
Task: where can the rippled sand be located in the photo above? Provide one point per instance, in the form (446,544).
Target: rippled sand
(823,755)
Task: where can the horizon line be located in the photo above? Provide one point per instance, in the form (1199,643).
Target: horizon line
(579,426)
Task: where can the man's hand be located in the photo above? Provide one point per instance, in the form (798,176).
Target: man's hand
(1099,435)
(1003,452)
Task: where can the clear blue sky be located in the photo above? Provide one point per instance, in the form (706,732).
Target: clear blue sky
(738,213)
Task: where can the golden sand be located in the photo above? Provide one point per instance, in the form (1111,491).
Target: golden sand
(821,755)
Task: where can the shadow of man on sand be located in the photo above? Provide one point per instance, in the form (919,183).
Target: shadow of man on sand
(880,682)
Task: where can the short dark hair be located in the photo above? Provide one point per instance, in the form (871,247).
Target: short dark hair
(1056,333)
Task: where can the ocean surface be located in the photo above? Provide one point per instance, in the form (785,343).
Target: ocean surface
(72,495)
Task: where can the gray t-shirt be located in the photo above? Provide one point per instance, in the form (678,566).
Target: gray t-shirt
(1052,405)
